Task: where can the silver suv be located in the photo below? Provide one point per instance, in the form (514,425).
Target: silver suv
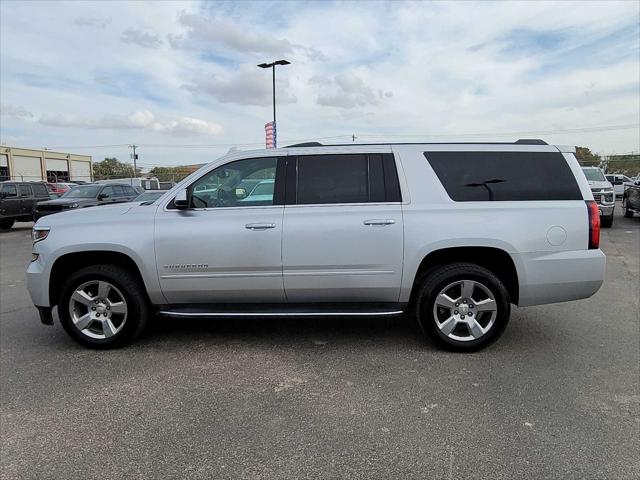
(453,233)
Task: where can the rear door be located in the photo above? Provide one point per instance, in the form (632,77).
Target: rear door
(343,229)
(26,199)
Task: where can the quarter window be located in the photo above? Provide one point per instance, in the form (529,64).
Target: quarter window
(40,190)
(504,176)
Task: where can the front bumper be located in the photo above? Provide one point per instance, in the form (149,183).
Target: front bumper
(606,210)
(38,283)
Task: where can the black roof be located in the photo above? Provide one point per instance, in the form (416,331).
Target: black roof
(522,141)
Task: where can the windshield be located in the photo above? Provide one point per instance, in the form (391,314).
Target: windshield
(594,174)
(86,191)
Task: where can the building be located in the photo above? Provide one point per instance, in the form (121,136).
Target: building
(30,165)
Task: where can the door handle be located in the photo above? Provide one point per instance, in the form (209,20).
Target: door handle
(259,226)
(380,222)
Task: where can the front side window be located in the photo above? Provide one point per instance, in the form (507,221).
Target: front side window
(9,191)
(504,176)
(235,184)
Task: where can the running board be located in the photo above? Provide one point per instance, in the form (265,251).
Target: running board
(282,310)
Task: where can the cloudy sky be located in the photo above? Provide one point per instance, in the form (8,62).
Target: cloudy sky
(170,76)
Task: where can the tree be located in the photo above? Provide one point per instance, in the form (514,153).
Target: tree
(587,158)
(112,168)
(170,174)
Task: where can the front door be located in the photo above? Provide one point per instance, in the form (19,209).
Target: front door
(226,248)
(343,230)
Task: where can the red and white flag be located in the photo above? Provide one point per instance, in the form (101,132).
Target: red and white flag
(270,134)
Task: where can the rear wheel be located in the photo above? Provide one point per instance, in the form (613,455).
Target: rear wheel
(6,224)
(462,307)
(103,306)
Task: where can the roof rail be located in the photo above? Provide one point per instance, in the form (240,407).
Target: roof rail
(305,144)
(531,141)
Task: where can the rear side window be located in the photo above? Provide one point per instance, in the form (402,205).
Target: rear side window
(504,176)
(348,178)
(25,191)
(40,190)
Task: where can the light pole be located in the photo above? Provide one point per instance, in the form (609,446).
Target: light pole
(272,65)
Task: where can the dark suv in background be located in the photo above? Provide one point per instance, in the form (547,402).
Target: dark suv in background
(18,201)
(89,195)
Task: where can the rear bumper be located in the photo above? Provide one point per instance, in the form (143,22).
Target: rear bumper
(559,276)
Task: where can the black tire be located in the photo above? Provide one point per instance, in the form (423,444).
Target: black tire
(606,222)
(439,279)
(627,213)
(6,224)
(133,292)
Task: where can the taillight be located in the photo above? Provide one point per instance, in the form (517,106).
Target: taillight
(594,224)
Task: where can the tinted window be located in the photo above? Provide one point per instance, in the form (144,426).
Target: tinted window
(25,191)
(119,191)
(130,191)
(332,179)
(107,192)
(84,191)
(9,190)
(504,176)
(40,190)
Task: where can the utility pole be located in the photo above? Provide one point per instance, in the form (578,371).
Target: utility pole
(135,158)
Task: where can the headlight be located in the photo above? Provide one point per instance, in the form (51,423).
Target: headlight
(608,196)
(39,233)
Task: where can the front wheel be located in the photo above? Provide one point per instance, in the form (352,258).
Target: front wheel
(103,306)
(6,224)
(462,307)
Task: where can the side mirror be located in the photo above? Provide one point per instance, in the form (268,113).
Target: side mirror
(241,193)
(102,196)
(181,200)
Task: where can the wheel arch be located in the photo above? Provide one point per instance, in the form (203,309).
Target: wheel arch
(496,260)
(70,262)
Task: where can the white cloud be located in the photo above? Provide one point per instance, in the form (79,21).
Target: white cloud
(189,126)
(247,86)
(93,22)
(136,120)
(347,91)
(15,112)
(142,39)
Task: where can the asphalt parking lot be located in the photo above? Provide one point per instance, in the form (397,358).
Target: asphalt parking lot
(558,396)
